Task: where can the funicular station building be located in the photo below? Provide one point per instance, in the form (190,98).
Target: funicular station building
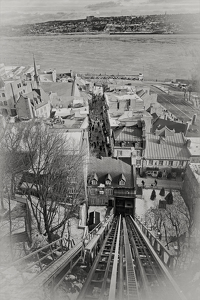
(112,183)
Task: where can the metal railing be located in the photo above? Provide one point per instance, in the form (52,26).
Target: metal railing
(31,265)
(165,255)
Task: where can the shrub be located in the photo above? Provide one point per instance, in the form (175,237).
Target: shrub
(169,198)
(143,174)
(153,195)
(169,176)
(159,174)
(162,192)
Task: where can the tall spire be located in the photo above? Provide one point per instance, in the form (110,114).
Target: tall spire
(36,77)
(73,86)
(75,91)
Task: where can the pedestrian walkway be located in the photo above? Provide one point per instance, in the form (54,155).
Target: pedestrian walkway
(158,183)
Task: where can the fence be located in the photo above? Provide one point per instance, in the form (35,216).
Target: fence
(167,258)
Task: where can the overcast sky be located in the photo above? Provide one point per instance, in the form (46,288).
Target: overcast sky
(16,11)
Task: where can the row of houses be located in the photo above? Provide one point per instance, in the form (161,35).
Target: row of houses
(144,138)
(142,129)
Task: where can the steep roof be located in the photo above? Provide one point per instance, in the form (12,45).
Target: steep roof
(75,91)
(115,167)
(160,123)
(128,134)
(140,93)
(164,132)
(38,94)
(171,147)
(2,84)
(61,88)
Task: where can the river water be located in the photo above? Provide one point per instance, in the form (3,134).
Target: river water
(157,56)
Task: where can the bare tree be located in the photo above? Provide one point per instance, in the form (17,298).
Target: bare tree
(53,178)
(174,221)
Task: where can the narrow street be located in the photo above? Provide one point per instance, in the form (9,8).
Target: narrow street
(166,183)
(99,127)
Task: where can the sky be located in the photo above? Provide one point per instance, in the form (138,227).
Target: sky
(29,11)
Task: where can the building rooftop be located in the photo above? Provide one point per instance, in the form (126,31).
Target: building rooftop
(170,147)
(114,167)
(39,94)
(128,134)
(73,138)
(61,88)
(160,123)
(194,146)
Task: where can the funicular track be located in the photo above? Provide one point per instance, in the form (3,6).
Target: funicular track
(154,278)
(127,267)
(112,275)
(123,266)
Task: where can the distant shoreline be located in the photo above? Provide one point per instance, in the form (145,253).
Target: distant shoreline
(102,33)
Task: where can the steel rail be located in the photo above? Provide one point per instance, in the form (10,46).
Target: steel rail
(149,263)
(97,277)
(167,287)
(132,285)
(113,281)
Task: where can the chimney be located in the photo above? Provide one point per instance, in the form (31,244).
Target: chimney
(151,108)
(194,119)
(186,128)
(161,140)
(188,143)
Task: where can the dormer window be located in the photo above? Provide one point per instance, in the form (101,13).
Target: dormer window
(94,179)
(108,179)
(122,180)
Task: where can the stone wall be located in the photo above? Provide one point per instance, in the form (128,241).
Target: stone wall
(191,193)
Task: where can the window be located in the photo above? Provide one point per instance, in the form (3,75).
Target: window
(92,201)
(94,182)
(151,162)
(3,94)
(108,182)
(138,152)
(1,103)
(160,162)
(73,179)
(5,103)
(171,163)
(138,161)
(119,153)
(108,191)
(181,162)
(121,182)
(19,85)
(93,191)
(71,190)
